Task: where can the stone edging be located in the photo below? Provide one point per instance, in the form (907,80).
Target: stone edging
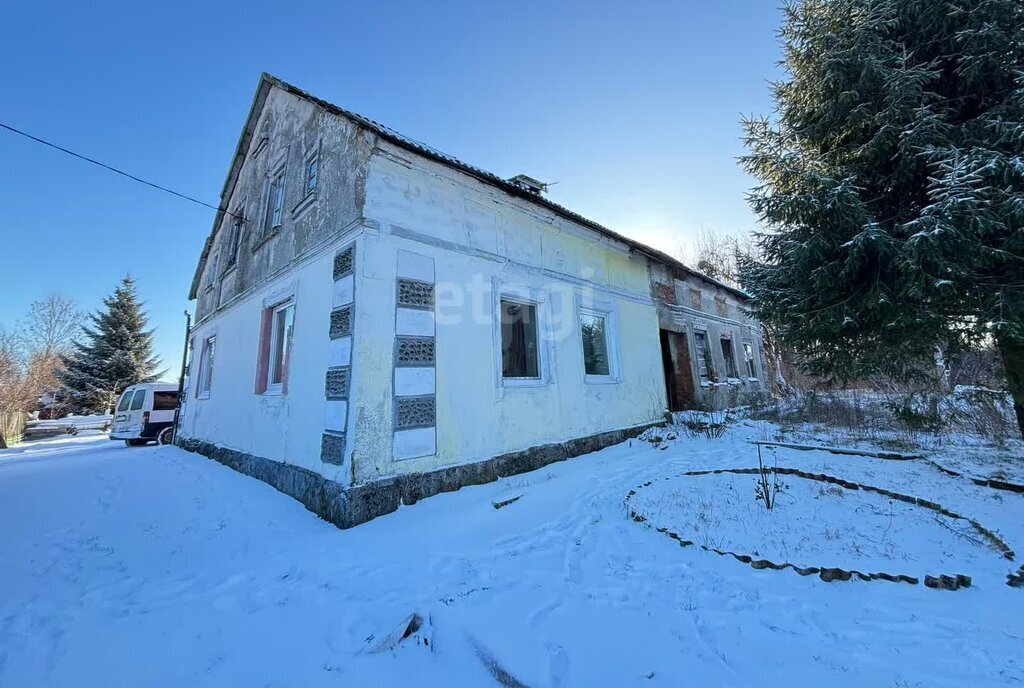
(982,482)
(889,455)
(897,456)
(832,574)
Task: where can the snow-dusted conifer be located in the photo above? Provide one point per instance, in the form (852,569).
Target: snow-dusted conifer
(117,352)
(892,185)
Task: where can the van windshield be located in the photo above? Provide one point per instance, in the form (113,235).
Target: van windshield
(140,397)
(126,399)
(165,401)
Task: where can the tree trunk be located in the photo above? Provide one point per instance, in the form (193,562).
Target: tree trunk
(1012,352)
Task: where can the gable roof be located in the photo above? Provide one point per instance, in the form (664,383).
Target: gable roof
(267,81)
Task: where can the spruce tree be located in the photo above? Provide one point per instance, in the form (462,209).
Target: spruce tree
(117,351)
(892,185)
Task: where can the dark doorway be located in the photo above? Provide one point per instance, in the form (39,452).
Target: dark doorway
(675,357)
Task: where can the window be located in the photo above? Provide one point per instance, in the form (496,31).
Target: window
(206,367)
(138,400)
(281,328)
(702,350)
(213,270)
(748,356)
(165,401)
(275,203)
(234,241)
(126,399)
(312,170)
(519,353)
(730,358)
(594,331)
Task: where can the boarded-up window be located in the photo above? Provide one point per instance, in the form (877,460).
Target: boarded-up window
(519,354)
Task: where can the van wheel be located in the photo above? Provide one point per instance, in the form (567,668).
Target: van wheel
(135,443)
(166,436)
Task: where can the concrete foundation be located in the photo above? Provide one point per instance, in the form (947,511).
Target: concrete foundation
(349,506)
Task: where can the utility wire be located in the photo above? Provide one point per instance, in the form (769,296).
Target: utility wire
(113,169)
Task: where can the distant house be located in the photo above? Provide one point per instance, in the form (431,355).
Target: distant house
(712,349)
(377,322)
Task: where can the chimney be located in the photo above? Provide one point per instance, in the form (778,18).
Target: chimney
(529,184)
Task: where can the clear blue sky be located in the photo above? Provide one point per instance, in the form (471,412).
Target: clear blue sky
(631,107)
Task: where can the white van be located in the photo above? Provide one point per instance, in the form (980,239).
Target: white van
(145,413)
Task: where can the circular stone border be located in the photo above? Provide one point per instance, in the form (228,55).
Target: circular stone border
(898,456)
(942,581)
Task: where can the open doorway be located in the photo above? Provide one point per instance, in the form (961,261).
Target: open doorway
(675,356)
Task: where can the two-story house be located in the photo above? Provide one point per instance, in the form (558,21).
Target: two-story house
(377,322)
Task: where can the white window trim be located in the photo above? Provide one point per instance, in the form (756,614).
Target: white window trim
(608,312)
(538,298)
(276,388)
(202,378)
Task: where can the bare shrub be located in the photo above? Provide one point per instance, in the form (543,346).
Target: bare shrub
(983,412)
(768,485)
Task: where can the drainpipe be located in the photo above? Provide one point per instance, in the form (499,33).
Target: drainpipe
(181,378)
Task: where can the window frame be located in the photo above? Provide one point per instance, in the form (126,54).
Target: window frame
(275,181)
(234,242)
(732,369)
(606,312)
(214,267)
(313,158)
(204,378)
(537,298)
(272,388)
(748,347)
(703,354)
(536,339)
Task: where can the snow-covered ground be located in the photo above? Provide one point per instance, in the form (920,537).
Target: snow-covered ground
(155,567)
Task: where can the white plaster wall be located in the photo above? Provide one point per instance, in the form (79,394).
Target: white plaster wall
(479,236)
(286,427)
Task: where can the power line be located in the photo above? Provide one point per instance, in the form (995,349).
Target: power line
(112,169)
